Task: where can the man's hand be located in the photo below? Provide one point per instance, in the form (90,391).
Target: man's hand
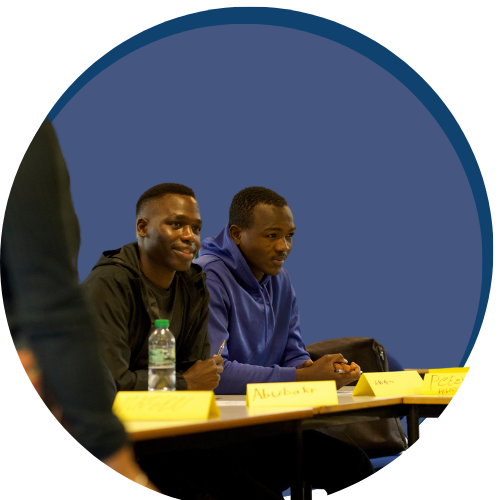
(204,375)
(324,369)
(123,461)
(30,365)
(338,366)
(305,364)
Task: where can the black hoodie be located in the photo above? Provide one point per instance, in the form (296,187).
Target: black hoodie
(124,311)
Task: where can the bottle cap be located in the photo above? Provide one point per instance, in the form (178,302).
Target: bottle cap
(162,323)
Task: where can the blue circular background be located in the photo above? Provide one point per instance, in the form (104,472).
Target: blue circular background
(394,236)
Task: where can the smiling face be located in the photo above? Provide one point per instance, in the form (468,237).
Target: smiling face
(268,242)
(169,232)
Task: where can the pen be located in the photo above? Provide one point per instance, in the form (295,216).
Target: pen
(343,371)
(221,347)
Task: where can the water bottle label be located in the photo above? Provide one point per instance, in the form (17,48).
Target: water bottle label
(158,356)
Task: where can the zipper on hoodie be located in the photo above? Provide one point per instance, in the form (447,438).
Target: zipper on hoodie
(381,355)
(270,322)
(265,312)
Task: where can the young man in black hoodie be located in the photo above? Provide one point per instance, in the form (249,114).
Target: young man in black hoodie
(154,278)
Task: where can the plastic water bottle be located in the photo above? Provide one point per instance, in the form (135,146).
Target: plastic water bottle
(161,373)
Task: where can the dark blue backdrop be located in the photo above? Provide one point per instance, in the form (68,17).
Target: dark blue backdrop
(389,242)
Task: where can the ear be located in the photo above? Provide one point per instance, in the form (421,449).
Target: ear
(141,227)
(235,233)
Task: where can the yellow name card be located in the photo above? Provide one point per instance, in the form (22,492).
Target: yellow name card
(178,405)
(388,384)
(464,369)
(322,393)
(443,383)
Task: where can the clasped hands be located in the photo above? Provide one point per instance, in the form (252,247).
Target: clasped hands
(324,369)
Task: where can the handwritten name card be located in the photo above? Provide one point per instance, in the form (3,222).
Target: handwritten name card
(322,393)
(442,383)
(461,369)
(178,405)
(388,384)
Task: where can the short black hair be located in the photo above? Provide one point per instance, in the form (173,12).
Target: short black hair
(161,190)
(241,209)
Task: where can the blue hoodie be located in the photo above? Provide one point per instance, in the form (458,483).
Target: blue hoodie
(259,321)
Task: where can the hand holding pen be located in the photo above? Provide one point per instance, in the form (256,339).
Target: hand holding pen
(339,366)
(346,368)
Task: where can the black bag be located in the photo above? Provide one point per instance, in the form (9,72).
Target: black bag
(378,438)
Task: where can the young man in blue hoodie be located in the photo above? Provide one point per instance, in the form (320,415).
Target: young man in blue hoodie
(253,308)
(252,301)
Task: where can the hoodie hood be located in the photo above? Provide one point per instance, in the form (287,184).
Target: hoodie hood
(223,247)
(128,258)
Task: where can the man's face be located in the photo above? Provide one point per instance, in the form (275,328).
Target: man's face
(267,243)
(169,230)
